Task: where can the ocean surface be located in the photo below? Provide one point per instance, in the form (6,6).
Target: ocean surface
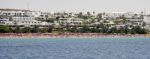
(75,48)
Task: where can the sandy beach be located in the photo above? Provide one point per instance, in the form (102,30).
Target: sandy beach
(67,35)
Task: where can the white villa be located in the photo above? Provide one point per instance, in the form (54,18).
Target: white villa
(20,17)
(71,21)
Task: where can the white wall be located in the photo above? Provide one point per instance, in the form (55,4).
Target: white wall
(147,19)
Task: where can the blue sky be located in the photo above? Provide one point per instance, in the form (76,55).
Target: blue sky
(78,5)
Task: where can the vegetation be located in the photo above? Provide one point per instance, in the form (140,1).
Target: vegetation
(84,29)
(4,29)
(19,29)
(51,20)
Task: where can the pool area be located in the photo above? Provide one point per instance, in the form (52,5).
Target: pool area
(75,48)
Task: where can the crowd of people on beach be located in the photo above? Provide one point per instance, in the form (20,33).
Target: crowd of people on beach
(65,35)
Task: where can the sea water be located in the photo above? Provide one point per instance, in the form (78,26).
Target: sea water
(75,48)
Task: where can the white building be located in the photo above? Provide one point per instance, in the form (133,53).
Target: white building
(18,19)
(27,21)
(6,22)
(71,21)
(18,13)
(135,21)
(147,19)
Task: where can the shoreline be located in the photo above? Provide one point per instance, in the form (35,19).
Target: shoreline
(67,35)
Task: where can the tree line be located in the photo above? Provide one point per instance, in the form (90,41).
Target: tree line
(84,29)
(19,29)
(113,30)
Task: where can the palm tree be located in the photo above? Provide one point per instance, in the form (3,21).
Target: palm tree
(46,17)
(99,16)
(35,29)
(17,29)
(124,19)
(80,15)
(26,30)
(88,13)
(10,19)
(134,16)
